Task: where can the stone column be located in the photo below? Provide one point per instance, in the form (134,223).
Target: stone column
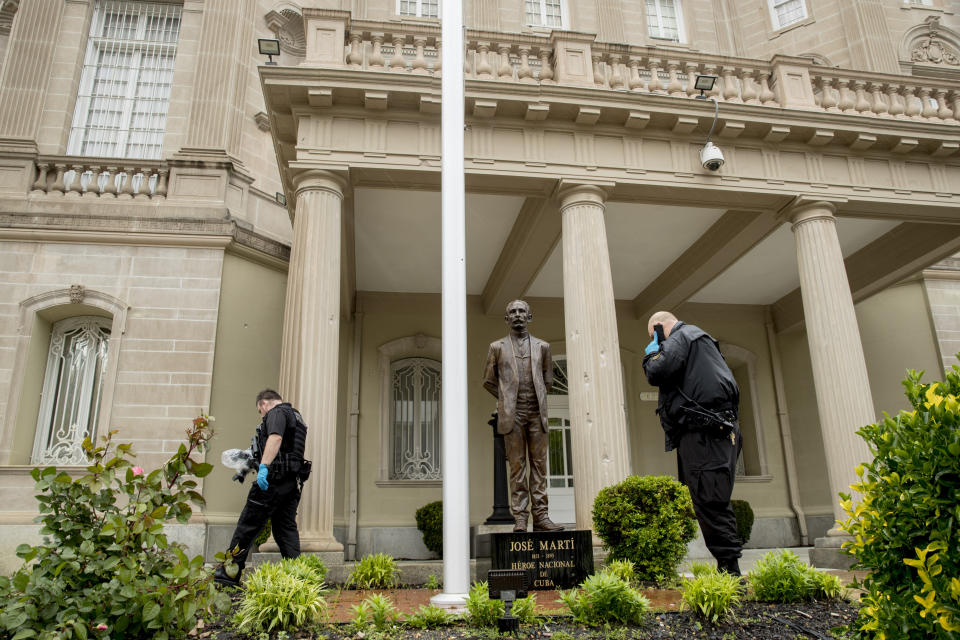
(844,400)
(26,69)
(310,353)
(224,58)
(601,451)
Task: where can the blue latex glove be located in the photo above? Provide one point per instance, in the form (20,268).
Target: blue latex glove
(653,346)
(262,477)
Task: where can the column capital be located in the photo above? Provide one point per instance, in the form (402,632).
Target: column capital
(319,180)
(574,192)
(810,207)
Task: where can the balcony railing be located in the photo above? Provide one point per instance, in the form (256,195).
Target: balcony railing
(100,178)
(525,58)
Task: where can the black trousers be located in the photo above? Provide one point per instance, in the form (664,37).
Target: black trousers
(707,465)
(277,504)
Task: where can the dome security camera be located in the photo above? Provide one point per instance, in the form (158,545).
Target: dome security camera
(711,157)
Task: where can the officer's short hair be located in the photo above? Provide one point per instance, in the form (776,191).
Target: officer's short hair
(268,394)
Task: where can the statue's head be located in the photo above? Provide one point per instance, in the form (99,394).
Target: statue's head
(518,315)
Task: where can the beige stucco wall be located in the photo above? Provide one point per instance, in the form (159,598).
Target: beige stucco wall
(944,303)
(246,360)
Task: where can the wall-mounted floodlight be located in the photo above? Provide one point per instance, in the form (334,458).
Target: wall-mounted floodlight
(270,48)
(703,83)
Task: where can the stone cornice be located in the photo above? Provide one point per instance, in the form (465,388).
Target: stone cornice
(181,232)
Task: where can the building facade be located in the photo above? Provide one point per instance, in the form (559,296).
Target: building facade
(182,225)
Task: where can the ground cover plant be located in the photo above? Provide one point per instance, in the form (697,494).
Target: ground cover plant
(783,577)
(281,596)
(606,598)
(905,517)
(648,520)
(375,571)
(106,568)
(711,594)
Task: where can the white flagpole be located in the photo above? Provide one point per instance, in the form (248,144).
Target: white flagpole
(456,495)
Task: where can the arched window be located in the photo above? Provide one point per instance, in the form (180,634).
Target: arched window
(415,419)
(72,389)
(410,412)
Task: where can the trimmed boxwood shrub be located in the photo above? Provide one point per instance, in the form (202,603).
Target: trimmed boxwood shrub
(744,515)
(905,521)
(648,520)
(430,524)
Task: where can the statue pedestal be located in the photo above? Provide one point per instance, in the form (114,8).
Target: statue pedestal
(480,536)
(552,559)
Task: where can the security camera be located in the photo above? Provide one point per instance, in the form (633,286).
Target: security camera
(711,157)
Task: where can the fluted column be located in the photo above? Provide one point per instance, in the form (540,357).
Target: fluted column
(601,452)
(222,74)
(310,357)
(29,56)
(844,400)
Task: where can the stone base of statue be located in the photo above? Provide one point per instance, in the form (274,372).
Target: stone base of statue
(552,559)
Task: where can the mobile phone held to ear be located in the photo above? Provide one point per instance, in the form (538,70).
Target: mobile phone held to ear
(658,329)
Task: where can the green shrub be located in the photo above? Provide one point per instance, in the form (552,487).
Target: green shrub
(377,571)
(433,582)
(648,520)
(430,523)
(604,598)
(744,514)
(623,569)
(699,567)
(712,594)
(481,610)
(309,567)
(276,597)
(105,566)
(430,617)
(782,577)
(525,609)
(905,525)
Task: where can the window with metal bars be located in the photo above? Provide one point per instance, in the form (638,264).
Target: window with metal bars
(419,8)
(72,388)
(415,419)
(124,91)
(787,12)
(545,13)
(664,20)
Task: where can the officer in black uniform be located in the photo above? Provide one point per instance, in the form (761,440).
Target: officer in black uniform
(698,406)
(278,446)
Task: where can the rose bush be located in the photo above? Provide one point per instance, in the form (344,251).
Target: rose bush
(106,567)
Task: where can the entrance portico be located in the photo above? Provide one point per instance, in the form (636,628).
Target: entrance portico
(599,181)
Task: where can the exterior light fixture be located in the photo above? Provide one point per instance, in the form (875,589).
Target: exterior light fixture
(703,83)
(270,48)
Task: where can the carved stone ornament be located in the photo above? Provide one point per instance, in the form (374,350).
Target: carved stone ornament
(287,25)
(77,293)
(932,50)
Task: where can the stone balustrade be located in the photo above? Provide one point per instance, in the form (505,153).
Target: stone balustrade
(576,59)
(913,98)
(65,176)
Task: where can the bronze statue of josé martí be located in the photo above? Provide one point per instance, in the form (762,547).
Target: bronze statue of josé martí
(519,372)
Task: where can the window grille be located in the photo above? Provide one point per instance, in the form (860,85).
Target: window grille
(664,20)
(787,12)
(419,8)
(544,13)
(72,387)
(124,91)
(415,419)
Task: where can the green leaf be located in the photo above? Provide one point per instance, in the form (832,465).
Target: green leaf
(202,469)
(954,448)
(81,630)
(151,611)
(24,633)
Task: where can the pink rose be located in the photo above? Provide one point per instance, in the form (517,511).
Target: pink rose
(137,471)
(101,626)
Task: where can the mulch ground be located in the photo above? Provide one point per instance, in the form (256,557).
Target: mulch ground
(752,621)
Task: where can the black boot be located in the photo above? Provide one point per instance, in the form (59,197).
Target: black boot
(220,577)
(729,565)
